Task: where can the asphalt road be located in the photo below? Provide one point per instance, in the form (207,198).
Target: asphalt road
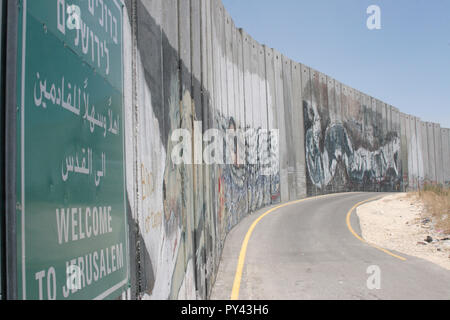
(306,251)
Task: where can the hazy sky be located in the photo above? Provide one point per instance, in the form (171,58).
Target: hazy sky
(405,64)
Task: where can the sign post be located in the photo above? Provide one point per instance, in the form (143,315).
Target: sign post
(72,226)
(2,164)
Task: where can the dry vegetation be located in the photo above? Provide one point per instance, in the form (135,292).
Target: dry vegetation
(436,201)
(415,224)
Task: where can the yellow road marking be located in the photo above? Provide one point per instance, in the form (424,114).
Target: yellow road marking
(243,252)
(349,226)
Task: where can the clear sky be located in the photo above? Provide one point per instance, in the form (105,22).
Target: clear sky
(405,64)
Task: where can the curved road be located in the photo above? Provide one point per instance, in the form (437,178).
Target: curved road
(306,251)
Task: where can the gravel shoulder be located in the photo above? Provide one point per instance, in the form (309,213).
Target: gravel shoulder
(399,222)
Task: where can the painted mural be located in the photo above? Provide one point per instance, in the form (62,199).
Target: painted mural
(180,235)
(341,155)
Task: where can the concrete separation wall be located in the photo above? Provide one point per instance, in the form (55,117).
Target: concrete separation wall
(187,66)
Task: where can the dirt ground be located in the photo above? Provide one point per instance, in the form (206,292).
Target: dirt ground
(399,222)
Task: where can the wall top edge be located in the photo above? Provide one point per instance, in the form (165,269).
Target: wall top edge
(304,68)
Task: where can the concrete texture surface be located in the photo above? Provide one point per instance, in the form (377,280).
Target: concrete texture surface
(186,61)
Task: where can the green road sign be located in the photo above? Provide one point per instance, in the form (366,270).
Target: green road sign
(72,229)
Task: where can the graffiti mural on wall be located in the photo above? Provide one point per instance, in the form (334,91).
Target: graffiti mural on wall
(164,249)
(340,156)
(245,187)
(176,251)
